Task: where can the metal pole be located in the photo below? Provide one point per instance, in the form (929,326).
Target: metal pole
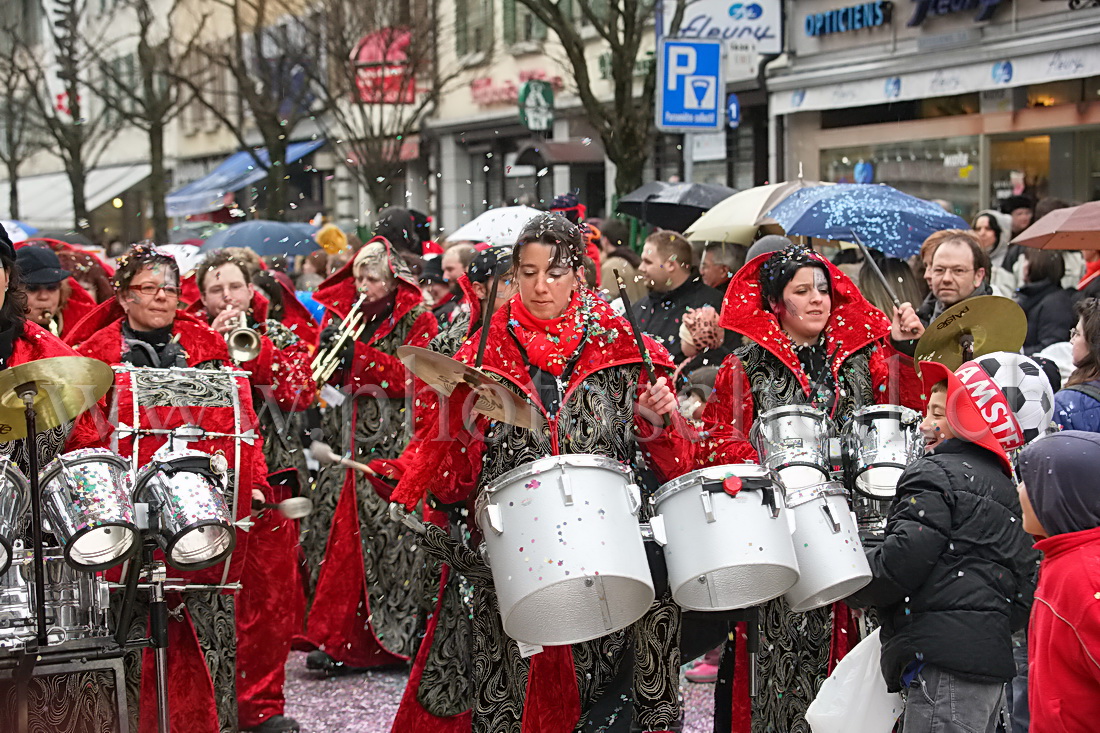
(689,157)
(27,393)
(158,634)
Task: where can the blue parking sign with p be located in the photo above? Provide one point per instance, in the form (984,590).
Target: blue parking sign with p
(690,85)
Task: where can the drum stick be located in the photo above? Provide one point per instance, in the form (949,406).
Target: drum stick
(345,461)
(876,270)
(647,363)
(488,315)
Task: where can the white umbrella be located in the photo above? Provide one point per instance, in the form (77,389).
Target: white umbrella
(495,226)
(188,256)
(17,230)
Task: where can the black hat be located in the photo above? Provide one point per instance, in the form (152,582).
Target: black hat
(433,271)
(1012,203)
(6,248)
(481,267)
(40,266)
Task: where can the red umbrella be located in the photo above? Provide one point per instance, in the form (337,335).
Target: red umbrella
(1077,227)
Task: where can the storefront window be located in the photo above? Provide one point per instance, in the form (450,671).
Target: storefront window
(1019,167)
(942,170)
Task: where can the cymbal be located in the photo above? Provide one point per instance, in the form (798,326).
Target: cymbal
(66,387)
(995,323)
(493,399)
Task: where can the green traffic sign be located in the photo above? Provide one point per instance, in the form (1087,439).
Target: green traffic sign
(536,105)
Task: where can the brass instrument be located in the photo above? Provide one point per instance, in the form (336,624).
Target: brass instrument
(54,326)
(351,328)
(243,342)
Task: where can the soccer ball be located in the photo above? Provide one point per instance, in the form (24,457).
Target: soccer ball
(1025,387)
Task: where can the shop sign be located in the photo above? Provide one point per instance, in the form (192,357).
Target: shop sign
(984,8)
(851,18)
(536,105)
(488,92)
(755,21)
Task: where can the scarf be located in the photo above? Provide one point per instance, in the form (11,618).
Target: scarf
(1091,271)
(551,343)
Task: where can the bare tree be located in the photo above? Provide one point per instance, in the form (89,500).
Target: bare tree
(20,133)
(269,56)
(381,82)
(78,128)
(149,98)
(625,123)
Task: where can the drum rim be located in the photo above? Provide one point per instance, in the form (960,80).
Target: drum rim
(545,463)
(49,473)
(8,467)
(802,409)
(134,545)
(169,545)
(795,499)
(151,469)
(687,480)
(908,413)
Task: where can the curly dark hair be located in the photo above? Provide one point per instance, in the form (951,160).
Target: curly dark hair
(137,259)
(557,232)
(14,310)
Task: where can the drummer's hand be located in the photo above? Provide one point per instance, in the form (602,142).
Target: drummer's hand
(226,321)
(658,398)
(257,495)
(906,325)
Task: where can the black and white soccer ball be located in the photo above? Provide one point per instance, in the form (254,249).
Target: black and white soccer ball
(1026,389)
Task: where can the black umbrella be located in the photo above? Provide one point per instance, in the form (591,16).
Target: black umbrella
(673,206)
(68,236)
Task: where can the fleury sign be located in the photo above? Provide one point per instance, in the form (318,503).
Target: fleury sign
(757,21)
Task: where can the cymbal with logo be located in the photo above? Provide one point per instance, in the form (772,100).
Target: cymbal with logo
(982,325)
(493,399)
(63,388)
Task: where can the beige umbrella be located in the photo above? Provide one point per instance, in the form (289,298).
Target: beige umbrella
(736,219)
(1077,227)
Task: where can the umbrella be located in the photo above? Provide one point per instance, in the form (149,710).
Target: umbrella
(495,226)
(672,205)
(888,220)
(737,218)
(187,256)
(265,238)
(17,230)
(1077,227)
(194,230)
(67,236)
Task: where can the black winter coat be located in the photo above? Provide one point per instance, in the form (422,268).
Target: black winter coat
(1050,315)
(953,575)
(660,314)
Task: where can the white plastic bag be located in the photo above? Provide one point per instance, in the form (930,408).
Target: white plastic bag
(854,698)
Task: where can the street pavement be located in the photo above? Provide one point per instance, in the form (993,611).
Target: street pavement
(366,703)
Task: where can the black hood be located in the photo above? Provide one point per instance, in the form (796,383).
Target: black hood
(1058,473)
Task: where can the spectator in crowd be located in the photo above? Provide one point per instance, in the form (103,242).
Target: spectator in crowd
(959,270)
(1048,307)
(438,294)
(994,230)
(617,255)
(1077,405)
(719,262)
(1062,508)
(1021,210)
(400,228)
(673,289)
(313,271)
(951,578)
(701,340)
(1089,284)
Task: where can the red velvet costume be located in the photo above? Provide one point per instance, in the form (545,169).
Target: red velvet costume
(192,690)
(368,560)
(271,603)
(855,327)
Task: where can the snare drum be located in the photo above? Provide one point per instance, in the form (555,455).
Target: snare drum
(794,441)
(565,549)
(86,497)
(831,563)
(879,442)
(77,603)
(196,526)
(727,537)
(14,497)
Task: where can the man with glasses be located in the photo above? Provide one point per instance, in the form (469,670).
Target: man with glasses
(959,270)
(142,329)
(54,301)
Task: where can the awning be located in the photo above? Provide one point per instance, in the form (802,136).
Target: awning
(46,201)
(235,172)
(559,152)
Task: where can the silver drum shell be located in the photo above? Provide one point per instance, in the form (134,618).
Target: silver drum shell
(880,441)
(14,500)
(831,561)
(724,552)
(565,549)
(794,441)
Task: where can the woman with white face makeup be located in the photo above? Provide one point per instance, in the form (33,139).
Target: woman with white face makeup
(811,339)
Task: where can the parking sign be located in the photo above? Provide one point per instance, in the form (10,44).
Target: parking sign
(690,85)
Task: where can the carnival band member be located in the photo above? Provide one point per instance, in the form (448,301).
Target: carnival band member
(23,341)
(142,328)
(271,605)
(55,301)
(814,340)
(563,349)
(363,612)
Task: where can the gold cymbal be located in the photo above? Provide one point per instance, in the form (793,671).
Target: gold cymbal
(493,399)
(995,324)
(65,387)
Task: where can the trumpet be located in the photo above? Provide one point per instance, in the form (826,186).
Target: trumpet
(243,342)
(351,328)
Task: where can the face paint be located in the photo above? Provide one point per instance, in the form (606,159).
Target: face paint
(821,281)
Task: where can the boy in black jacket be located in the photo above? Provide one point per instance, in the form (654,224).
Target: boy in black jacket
(951,576)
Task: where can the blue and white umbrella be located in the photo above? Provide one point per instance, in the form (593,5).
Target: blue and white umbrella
(265,238)
(886,219)
(17,230)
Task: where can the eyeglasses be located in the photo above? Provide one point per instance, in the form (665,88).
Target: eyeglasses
(955,271)
(150,290)
(39,287)
(1074,333)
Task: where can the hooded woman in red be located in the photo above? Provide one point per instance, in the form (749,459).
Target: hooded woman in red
(1062,507)
(814,340)
(364,610)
